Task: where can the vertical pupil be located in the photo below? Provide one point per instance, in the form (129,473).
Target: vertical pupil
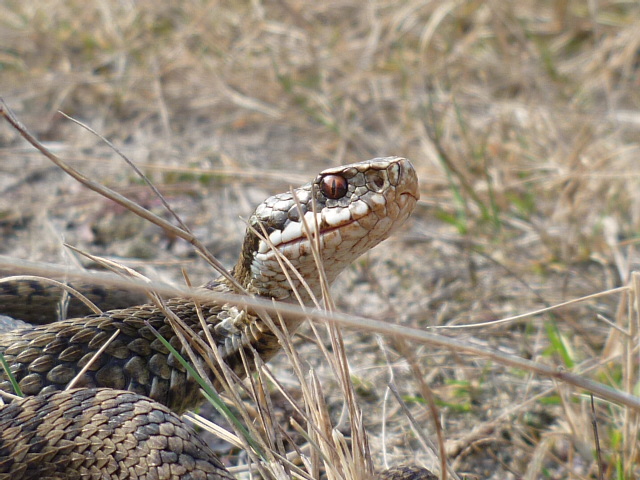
(333,187)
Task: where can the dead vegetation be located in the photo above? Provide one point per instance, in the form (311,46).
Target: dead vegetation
(521,118)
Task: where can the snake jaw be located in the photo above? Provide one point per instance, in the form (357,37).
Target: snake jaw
(375,198)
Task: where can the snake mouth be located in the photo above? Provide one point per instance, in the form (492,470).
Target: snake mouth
(310,233)
(414,195)
(311,226)
(409,198)
(307,232)
(334,235)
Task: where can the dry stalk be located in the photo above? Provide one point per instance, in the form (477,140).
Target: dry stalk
(106,192)
(350,321)
(61,285)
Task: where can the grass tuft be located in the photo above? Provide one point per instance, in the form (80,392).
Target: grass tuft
(522,122)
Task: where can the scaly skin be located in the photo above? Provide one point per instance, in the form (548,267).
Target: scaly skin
(353,208)
(97,434)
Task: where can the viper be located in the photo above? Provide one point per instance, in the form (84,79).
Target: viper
(120,420)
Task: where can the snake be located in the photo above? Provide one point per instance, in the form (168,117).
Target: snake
(121,419)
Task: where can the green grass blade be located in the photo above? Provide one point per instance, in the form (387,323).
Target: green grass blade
(14,383)
(211,395)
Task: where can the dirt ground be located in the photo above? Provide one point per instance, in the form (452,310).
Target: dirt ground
(521,118)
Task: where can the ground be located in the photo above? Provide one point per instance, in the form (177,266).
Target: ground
(521,118)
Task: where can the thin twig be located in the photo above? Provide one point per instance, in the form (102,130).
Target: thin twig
(135,168)
(63,286)
(106,192)
(596,439)
(386,328)
(82,371)
(427,394)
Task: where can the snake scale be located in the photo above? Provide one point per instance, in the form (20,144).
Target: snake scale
(122,419)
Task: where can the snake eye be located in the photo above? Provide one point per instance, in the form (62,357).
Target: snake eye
(333,186)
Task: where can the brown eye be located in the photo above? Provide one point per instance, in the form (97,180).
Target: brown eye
(333,186)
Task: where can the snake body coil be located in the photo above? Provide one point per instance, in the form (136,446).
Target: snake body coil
(97,431)
(99,434)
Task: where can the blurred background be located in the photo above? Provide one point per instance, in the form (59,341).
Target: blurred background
(521,118)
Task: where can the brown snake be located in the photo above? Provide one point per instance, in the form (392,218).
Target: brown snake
(101,431)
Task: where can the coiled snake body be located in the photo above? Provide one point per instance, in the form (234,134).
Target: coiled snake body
(121,422)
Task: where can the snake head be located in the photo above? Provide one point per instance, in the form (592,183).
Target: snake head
(344,212)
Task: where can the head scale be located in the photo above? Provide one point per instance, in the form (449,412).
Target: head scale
(356,207)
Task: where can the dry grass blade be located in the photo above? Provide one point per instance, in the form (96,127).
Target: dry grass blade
(9,396)
(351,321)
(427,394)
(287,268)
(93,359)
(138,172)
(60,285)
(356,460)
(115,196)
(214,428)
(596,438)
(631,372)
(535,312)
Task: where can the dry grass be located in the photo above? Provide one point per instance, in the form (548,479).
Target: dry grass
(521,118)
